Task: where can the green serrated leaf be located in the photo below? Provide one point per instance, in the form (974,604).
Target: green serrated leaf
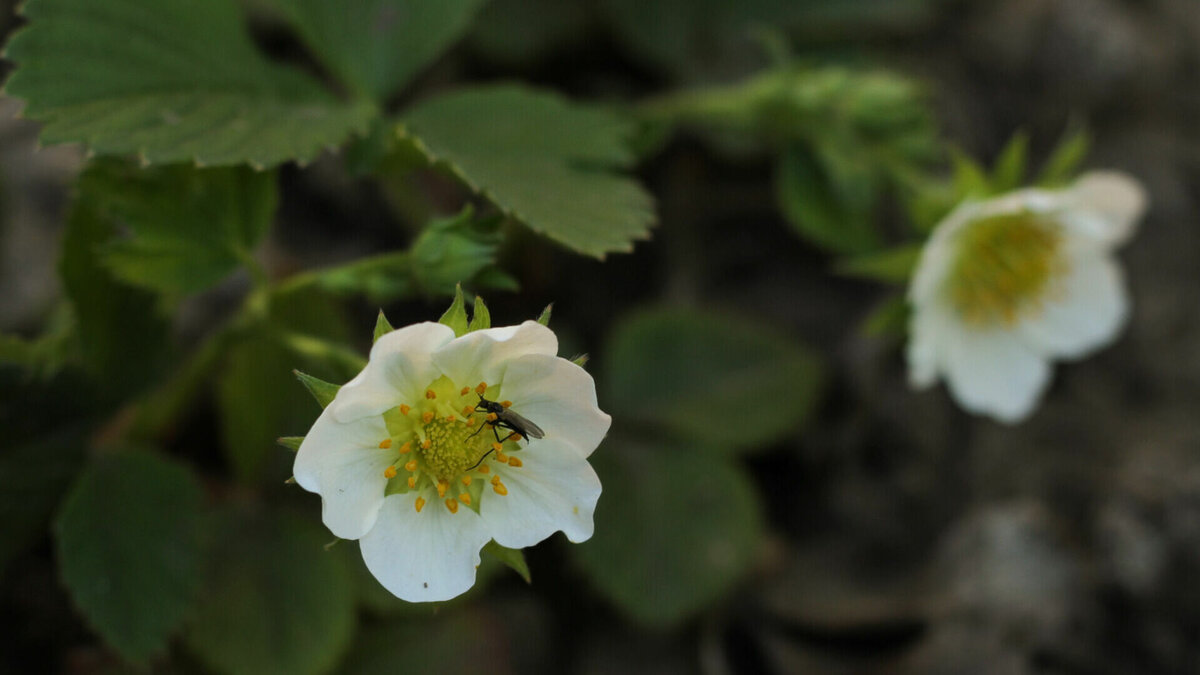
(276,600)
(456,316)
(546,162)
(711,379)
(970,179)
(691,544)
(321,390)
(130,546)
(177,229)
(1059,169)
(1008,173)
(377,46)
(809,199)
(170,82)
(513,557)
(893,266)
(290,442)
(544,317)
(382,327)
(481,319)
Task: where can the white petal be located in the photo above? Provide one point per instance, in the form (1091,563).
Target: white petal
(399,369)
(481,356)
(424,557)
(1105,206)
(995,373)
(928,327)
(344,464)
(555,489)
(1085,312)
(559,397)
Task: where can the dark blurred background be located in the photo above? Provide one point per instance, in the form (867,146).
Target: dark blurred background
(903,536)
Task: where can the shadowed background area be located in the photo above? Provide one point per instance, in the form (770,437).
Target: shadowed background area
(776,499)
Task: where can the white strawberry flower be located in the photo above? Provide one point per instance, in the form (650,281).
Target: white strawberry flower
(405,463)
(1006,285)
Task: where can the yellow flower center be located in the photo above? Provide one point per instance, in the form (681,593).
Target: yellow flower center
(441,441)
(1004,269)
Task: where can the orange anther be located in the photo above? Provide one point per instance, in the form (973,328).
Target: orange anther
(513,461)
(404,408)
(466,480)
(429,394)
(464,391)
(506,404)
(441,488)
(495,480)
(465,498)
(389,472)
(412,481)
(385,444)
(426,443)
(450,418)
(452,505)
(484,468)
(406,448)
(501,457)
(491,417)
(427,417)
(481,388)
(411,465)
(420,504)
(500,489)
(467,411)
(497,447)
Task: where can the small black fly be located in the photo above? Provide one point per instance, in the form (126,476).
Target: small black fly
(504,419)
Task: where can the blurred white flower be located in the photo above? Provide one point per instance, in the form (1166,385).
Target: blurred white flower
(1007,284)
(405,463)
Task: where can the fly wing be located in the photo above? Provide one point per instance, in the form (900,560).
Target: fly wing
(530,429)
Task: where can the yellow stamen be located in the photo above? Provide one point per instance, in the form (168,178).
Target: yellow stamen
(481,388)
(450,418)
(491,417)
(404,408)
(497,447)
(385,444)
(426,443)
(465,498)
(406,448)
(501,457)
(464,391)
(499,489)
(506,404)
(484,468)
(429,394)
(442,486)
(466,480)
(427,417)
(411,466)
(513,461)
(412,482)
(467,411)
(495,480)
(420,504)
(389,472)
(452,505)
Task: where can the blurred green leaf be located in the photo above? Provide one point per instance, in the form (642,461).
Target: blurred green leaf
(518,32)
(811,204)
(177,229)
(130,544)
(676,530)
(169,81)
(321,390)
(377,46)
(970,178)
(514,558)
(893,266)
(382,327)
(276,601)
(256,392)
(1065,159)
(546,162)
(122,337)
(456,315)
(290,442)
(447,642)
(710,379)
(1008,173)
(888,319)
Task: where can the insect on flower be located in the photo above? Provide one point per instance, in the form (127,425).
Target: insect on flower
(499,415)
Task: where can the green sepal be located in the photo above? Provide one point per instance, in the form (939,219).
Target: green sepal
(581,360)
(888,319)
(290,442)
(382,327)
(544,317)
(1008,173)
(893,266)
(320,389)
(456,316)
(513,557)
(481,319)
(1066,157)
